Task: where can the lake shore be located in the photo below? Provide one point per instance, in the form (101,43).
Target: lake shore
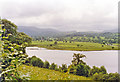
(97,58)
(83,46)
(50,48)
(68,49)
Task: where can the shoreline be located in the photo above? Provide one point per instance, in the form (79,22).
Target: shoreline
(73,50)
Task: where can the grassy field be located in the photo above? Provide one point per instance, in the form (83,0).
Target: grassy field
(78,46)
(36,73)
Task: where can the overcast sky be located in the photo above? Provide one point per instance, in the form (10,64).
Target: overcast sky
(66,15)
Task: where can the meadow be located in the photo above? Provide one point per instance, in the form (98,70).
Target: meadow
(36,73)
(77,46)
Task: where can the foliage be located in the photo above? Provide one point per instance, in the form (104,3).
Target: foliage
(22,38)
(103,70)
(106,77)
(10,27)
(77,59)
(71,69)
(103,38)
(82,70)
(53,66)
(17,37)
(36,62)
(95,69)
(46,64)
(63,68)
(13,54)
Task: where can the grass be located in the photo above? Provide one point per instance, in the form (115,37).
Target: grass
(83,46)
(36,73)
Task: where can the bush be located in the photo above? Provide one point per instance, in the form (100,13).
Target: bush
(97,76)
(53,66)
(36,62)
(95,69)
(56,68)
(63,68)
(46,64)
(103,70)
(114,76)
(71,69)
(106,77)
(82,70)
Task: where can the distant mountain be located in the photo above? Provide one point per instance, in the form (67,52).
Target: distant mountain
(112,31)
(82,34)
(46,32)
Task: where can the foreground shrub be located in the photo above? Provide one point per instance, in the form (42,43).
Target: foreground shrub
(63,68)
(71,69)
(82,70)
(97,76)
(36,62)
(53,66)
(95,69)
(103,70)
(46,64)
(106,77)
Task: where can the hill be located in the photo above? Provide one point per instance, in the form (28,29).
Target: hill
(34,31)
(45,32)
(113,30)
(36,73)
(48,32)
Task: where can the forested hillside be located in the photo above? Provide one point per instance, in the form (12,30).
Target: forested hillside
(106,38)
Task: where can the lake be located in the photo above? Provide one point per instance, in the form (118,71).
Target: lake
(107,58)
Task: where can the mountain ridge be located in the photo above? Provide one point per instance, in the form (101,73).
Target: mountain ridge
(47,32)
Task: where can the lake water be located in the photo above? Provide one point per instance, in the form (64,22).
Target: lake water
(107,58)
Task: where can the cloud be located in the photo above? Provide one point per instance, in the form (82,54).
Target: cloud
(80,15)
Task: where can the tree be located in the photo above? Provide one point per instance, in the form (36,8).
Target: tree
(16,37)
(10,28)
(22,38)
(77,58)
(12,56)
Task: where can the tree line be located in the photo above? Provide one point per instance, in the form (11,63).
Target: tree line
(78,67)
(107,38)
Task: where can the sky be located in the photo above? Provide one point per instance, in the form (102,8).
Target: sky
(63,15)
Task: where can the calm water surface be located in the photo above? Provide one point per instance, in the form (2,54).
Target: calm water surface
(108,58)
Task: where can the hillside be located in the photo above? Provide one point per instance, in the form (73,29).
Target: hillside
(48,32)
(34,31)
(36,73)
(45,32)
